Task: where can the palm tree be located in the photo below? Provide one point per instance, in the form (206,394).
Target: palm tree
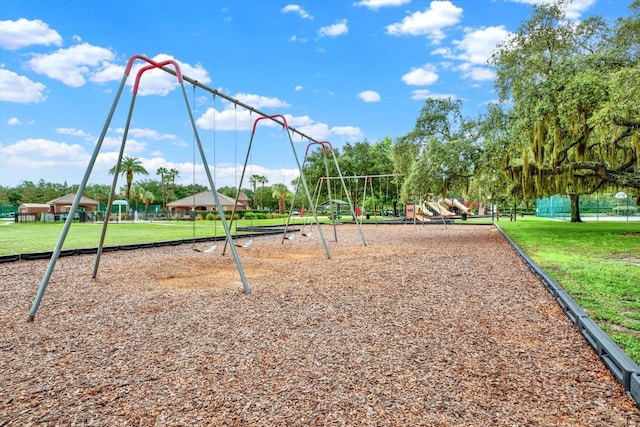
(281,192)
(262,180)
(163,172)
(137,192)
(253,181)
(147,199)
(173,174)
(128,167)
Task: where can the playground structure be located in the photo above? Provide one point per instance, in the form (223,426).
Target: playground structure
(313,203)
(439,208)
(456,204)
(302,179)
(428,209)
(367,189)
(171,67)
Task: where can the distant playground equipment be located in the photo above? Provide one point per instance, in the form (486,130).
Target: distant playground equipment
(456,204)
(313,204)
(285,128)
(367,190)
(427,209)
(439,208)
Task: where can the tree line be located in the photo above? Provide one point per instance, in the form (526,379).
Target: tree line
(566,121)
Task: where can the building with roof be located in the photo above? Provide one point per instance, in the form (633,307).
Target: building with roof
(33,208)
(205,202)
(63,204)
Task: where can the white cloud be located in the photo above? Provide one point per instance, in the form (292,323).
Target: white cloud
(229,118)
(422,94)
(16,88)
(477,45)
(148,134)
(296,9)
(352,133)
(377,4)
(37,151)
(236,118)
(334,30)
(73,132)
(474,50)
(318,131)
(21,33)
(132,145)
(71,65)
(430,23)
(14,121)
(158,82)
(479,73)
(297,121)
(573,9)
(422,76)
(298,88)
(369,96)
(107,72)
(240,119)
(258,101)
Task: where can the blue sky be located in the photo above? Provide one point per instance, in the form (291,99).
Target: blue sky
(338,70)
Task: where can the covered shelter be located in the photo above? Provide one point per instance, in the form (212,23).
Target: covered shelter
(205,202)
(33,208)
(63,204)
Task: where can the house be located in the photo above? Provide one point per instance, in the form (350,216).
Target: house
(205,201)
(33,208)
(55,209)
(63,204)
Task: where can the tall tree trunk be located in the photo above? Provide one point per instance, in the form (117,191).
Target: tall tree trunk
(575,208)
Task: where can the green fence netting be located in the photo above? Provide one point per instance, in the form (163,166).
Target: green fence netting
(591,206)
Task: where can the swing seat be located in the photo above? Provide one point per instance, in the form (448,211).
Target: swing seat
(245,244)
(210,249)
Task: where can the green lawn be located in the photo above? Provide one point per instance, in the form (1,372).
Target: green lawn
(40,237)
(598,263)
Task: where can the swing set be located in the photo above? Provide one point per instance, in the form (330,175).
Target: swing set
(325,146)
(170,67)
(285,127)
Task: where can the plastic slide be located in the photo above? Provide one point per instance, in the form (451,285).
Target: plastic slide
(423,210)
(439,209)
(460,206)
(455,203)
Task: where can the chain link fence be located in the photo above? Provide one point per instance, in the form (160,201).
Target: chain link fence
(592,207)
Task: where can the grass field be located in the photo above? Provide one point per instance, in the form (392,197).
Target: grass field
(598,263)
(39,237)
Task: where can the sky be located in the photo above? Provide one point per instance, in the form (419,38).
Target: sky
(338,71)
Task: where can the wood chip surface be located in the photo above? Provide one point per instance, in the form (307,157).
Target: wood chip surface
(423,326)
